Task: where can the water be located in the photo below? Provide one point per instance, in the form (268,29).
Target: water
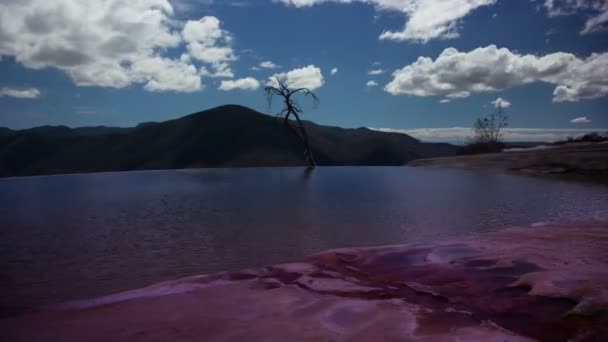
(80,236)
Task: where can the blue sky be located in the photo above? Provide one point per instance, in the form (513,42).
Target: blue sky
(438,64)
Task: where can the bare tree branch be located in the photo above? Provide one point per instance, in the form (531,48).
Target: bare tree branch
(291,107)
(490,129)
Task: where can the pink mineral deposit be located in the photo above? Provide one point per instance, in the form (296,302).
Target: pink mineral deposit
(544,282)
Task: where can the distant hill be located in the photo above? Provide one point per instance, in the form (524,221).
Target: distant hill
(226,136)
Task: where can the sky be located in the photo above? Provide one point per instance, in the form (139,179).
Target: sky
(428,68)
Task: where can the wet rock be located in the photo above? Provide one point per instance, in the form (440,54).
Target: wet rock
(545,282)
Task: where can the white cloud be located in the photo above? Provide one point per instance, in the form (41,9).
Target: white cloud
(581,120)
(376,72)
(114,43)
(222,70)
(597,22)
(248,83)
(371,84)
(268,65)
(456,74)
(460,135)
(431,19)
(185,6)
(255,68)
(307,77)
(457,95)
(426,19)
(445,100)
(501,103)
(164,74)
(207,42)
(29,93)
(334,71)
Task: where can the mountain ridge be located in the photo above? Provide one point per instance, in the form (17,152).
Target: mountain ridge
(224,136)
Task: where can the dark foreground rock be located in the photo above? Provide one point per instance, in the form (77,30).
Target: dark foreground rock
(545,282)
(581,161)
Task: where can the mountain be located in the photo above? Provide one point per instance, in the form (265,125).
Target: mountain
(226,136)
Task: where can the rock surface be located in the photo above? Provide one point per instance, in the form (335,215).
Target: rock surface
(581,161)
(546,282)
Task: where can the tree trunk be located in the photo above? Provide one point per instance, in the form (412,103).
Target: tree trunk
(310,160)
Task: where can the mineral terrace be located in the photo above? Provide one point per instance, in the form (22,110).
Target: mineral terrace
(545,282)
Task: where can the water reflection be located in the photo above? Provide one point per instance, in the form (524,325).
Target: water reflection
(68,237)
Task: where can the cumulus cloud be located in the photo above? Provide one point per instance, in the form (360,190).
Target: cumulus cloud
(248,83)
(114,43)
(430,19)
(598,10)
(460,135)
(456,74)
(28,93)
(334,71)
(165,74)
(426,19)
(580,120)
(268,65)
(376,72)
(207,42)
(501,103)
(371,84)
(307,77)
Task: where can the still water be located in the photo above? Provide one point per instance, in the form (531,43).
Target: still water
(80,236)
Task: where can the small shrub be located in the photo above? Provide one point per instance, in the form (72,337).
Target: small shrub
(593,137)
(488,133)
(480,147)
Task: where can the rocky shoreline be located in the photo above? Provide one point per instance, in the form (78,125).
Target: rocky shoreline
(546,282)
(580,161)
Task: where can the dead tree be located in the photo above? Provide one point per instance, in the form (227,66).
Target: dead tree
(291,108)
